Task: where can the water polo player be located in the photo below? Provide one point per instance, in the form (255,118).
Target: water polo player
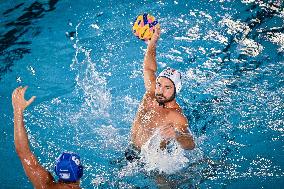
(158,108)
(68,167)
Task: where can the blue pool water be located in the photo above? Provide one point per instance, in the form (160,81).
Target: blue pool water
(84,65)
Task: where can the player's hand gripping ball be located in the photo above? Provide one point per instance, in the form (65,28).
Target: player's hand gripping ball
(144,26)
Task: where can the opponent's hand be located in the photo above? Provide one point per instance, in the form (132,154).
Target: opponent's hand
(18,99)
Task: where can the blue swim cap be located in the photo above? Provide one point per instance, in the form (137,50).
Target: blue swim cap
(68,167)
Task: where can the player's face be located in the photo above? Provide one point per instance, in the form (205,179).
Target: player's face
(165,90)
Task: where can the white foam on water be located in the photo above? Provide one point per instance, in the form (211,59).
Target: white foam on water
(204,14)
(193,32)
(248,1)
(95,26)
(240,31)
(173,57)
(98,180)
(234,27)
(191,35)
(277,38)
(130,105)
(281,14)
(216,36)
(192,13)
(129,170)
(250,47)
(111,137)
(166,161)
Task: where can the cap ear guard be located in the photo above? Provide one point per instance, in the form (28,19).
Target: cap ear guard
(80,171)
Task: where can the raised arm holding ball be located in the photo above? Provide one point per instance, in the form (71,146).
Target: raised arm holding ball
(158,108)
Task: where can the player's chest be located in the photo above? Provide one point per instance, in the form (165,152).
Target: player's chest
(154,117)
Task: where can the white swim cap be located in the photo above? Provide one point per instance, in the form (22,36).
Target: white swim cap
(174,76)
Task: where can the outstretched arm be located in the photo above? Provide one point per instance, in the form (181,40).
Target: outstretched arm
(36,173)
(178,130)
(150,65)
(184,137)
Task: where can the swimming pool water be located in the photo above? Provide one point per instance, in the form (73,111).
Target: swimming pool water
(85,66)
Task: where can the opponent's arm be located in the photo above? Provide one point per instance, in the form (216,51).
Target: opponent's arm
(36,173)
(150,64)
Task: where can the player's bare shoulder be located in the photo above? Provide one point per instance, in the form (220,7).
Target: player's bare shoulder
(177,116)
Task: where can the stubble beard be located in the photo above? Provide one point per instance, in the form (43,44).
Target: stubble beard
(165,100)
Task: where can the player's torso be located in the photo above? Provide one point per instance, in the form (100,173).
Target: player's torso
(150,116)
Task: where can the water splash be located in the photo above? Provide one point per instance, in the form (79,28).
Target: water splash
(250,47)
(277,38)
(235,27)
(164,161)
(91,82)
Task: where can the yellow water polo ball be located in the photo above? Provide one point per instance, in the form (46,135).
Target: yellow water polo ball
(144,26)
